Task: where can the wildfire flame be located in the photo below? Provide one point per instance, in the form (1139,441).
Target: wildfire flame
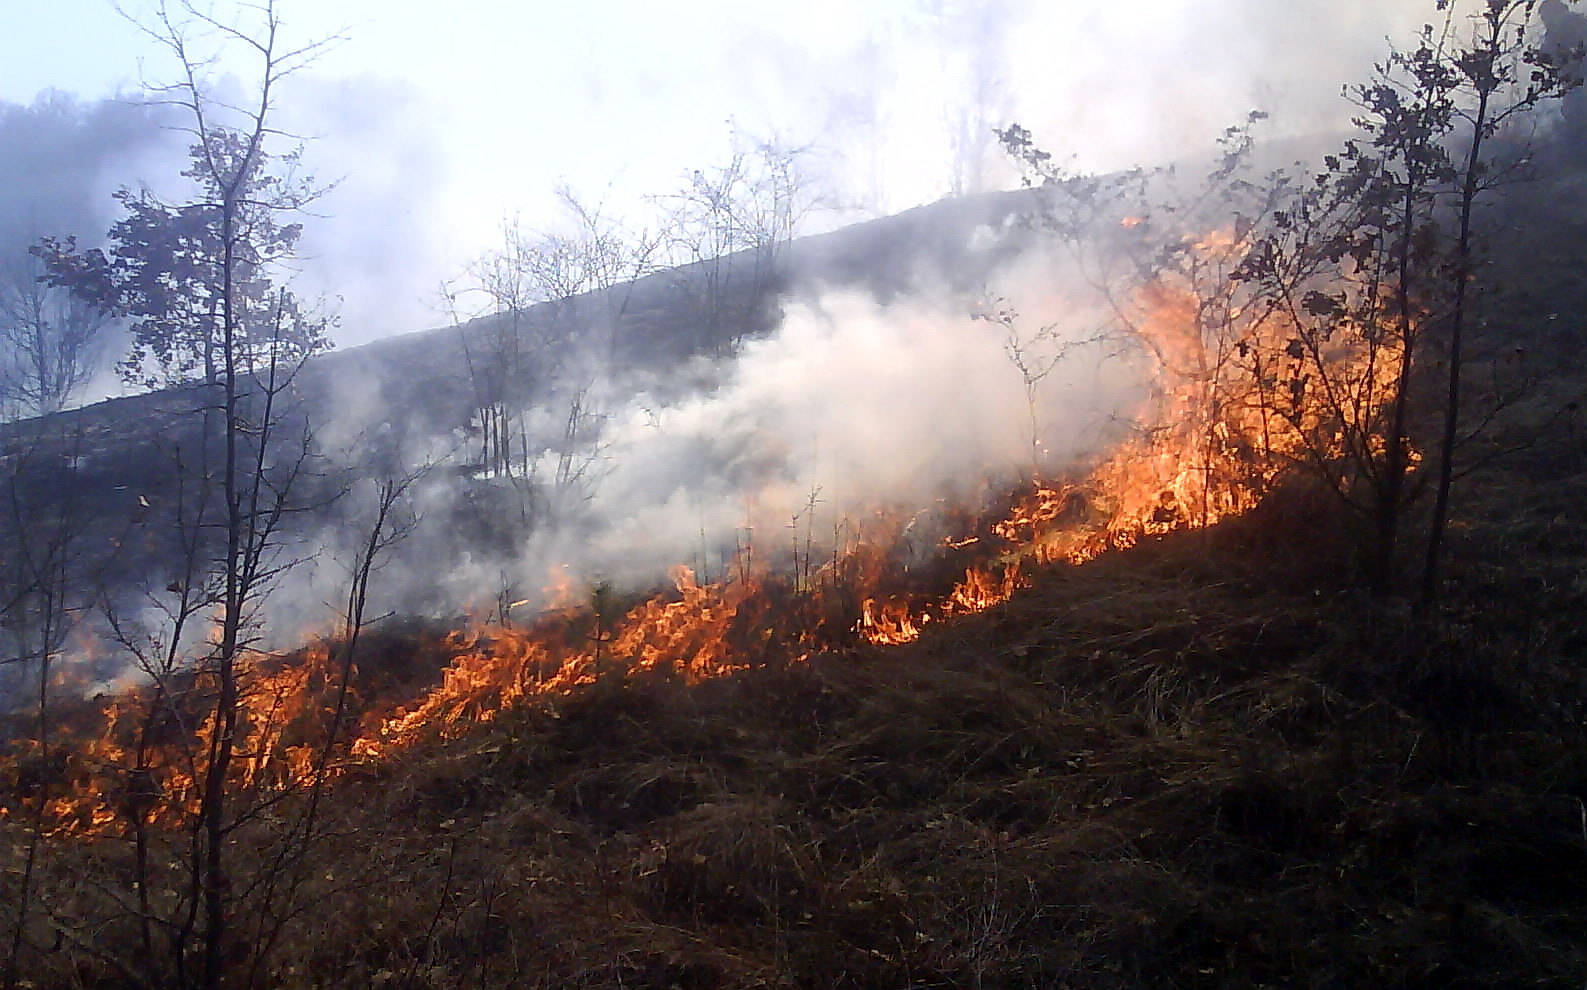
(1207,445)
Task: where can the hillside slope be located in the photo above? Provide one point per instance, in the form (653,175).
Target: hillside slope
(1160,769)
(1172,767)
(1206,760)
(126,460)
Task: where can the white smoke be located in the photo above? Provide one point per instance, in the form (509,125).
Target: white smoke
(849,407)
(851,404)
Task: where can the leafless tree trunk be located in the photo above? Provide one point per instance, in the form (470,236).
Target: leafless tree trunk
(50,340)
(729,231)
(255,493)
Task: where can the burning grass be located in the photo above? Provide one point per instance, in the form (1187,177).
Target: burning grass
(1209,443)
(1104,738)
(1134,777)
(1160,769)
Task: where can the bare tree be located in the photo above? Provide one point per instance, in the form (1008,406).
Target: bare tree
(553,304)
(970,39)
(540,321)
(51,340)
(218,309)
(388,519)
(606,257)
(1484,78)
(729,230)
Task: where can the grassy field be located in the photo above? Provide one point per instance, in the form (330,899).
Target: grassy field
(1192,764)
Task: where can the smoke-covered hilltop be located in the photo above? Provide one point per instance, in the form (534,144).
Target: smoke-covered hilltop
(676,418)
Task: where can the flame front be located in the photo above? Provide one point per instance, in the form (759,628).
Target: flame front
(1211,440)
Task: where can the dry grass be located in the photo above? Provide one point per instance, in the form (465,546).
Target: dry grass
(1164,769)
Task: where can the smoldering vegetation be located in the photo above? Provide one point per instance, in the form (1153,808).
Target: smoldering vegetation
(742,407)
(602,439)
(753,408)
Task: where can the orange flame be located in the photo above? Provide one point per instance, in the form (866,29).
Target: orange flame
(1207,445)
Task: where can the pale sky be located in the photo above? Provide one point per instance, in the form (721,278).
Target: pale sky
(443,119)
